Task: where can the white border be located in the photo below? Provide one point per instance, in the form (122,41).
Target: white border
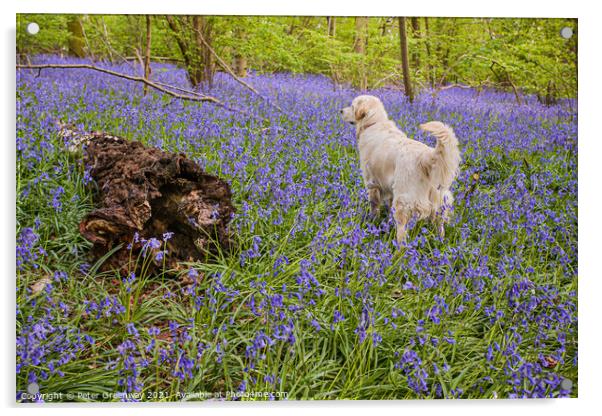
(589,178)
(506,8)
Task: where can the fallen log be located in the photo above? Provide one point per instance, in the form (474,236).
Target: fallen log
(151,202)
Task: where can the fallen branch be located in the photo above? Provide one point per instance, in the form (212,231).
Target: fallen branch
(189,96)
(173,87)
(130,77)
(156,58)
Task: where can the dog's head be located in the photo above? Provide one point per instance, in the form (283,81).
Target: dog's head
(364,109)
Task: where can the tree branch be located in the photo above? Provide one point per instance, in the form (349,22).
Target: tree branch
(506,73)
(178,36)
(189,96)
(221,62)
(151,84)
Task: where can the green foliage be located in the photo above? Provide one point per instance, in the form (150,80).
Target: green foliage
(52,37)
(526,54)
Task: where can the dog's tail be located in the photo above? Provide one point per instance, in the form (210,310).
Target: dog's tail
(441,166)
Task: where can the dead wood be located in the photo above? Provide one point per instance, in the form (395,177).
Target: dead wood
(190,97)
(164,88)
(144,193)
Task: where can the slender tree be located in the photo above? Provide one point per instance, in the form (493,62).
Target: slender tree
(189,32)
(147,56)
(385,26)
(427,46)
(361,35)
(240,60)
(76,36)
(403,42)
(203,30)
(416,35)
(332,26)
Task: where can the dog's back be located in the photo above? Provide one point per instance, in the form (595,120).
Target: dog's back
(379,150)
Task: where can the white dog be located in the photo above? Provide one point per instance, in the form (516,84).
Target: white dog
(407,175)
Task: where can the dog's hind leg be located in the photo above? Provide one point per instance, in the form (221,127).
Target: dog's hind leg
(444,214)
(440,223)
(374,196)
(401,219)
(388,201)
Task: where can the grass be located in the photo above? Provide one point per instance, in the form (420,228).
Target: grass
(448,301)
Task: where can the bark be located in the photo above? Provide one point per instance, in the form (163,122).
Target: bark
(403,42)
(144,193)
(200,67)
(361,35)
(203,29)
(292,26)
(147,56)
(427,45)
(76,37)
(385,26)
(332,26)
(183,46)
(106,40)
(240,60)
(306,21)
(416,35)
(229,70)
(451,33)
(164,88)
(240,66)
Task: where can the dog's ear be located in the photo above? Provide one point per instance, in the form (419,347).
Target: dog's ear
(360,111)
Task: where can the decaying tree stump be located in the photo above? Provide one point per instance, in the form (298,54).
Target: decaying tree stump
(144,193)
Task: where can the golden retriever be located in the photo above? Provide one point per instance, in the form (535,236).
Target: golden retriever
(407,175)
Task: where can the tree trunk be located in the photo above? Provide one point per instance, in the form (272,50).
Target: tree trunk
(306,21)
(184,48)
(203,27)
(385,26)
(332,26)
(240,66)
(361,35)
(240,61)
(147,56)
(427,45)
(105,38)
(416,35)
(291,27)
(76,37)
(198,59)
(451,33)
(403,42)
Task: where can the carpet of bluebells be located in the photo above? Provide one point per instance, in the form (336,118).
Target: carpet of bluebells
(315,301)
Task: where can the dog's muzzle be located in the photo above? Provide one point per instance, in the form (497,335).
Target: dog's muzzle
(346,115)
